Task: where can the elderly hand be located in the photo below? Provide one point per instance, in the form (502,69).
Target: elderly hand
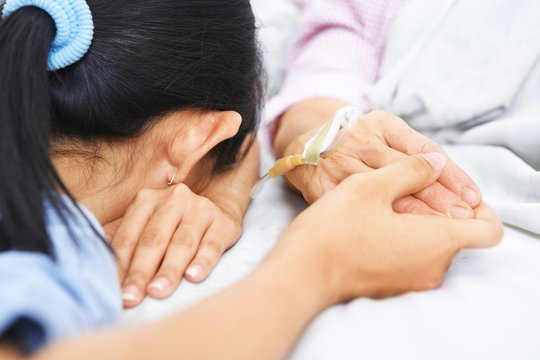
(378,139)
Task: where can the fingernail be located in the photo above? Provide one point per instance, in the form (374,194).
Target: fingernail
(459,212)
(159,284)
(130,293)
(436,160)
(194,272)
(470,196)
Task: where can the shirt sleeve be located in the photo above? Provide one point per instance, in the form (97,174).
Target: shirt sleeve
(337,54)
(46,298)
(34,303)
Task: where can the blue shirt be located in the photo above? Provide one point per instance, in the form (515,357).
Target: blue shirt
(44,298)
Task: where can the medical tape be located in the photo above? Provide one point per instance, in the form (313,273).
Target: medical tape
(314,147)
(325,139)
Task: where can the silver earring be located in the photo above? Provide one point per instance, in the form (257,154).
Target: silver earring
(172,180)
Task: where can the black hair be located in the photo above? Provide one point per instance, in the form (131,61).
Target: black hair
(147,59)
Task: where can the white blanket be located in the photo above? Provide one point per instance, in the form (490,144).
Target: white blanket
(487,308)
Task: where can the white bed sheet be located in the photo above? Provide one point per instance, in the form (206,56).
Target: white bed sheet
(487,308)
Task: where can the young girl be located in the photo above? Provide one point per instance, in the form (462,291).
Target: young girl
(146,62)
(117,112)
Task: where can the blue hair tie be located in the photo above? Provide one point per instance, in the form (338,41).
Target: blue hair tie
(74,28)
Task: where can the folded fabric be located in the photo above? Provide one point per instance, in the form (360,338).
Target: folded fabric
(457,62)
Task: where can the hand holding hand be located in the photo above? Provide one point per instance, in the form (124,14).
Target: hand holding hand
(358,245)
(378,139)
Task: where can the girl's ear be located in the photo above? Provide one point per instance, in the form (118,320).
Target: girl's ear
(203,131)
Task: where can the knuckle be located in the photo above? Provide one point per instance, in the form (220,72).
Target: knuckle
(369,124)
(136,277)
(180,190)
(150,238)
(367,143)
(408,205)
(214,247)
(143,196)
(187,241)
(427,145)
(122,241)
(380,114)
(231,228)
(386,118)
(432,193)
(206,204)
(236,230)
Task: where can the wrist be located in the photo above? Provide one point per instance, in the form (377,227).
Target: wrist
(305,270)
(301,178)
(311,144)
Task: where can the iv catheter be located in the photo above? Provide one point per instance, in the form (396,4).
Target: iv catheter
(325,140)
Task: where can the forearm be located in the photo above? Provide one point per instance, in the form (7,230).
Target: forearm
(302,118)
(231,191)
(8,352)
(258,318)
(337,55)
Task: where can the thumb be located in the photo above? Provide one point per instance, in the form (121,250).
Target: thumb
(411,174)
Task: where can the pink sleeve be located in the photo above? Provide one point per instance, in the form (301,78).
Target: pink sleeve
(337,54)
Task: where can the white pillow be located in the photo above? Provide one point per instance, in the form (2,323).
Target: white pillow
(277,21)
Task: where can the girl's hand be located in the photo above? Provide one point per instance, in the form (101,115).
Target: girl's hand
(354,241)
(165,234)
